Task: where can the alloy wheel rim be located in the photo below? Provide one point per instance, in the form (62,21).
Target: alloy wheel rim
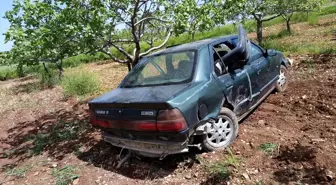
(282,79)
(219,132)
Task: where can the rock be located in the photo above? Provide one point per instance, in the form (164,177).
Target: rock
(196,174)
(329,175)
(246,176)
(75,182)
(318,140)
(304,97)
(252,171)
(36,173)
(251,144)
(261,122)
(53,165)
(188,176)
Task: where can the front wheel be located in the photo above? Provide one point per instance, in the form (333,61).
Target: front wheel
(220,133)
(282,82)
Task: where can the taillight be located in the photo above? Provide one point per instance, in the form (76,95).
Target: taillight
(171,121)
(96,122)
(167,121)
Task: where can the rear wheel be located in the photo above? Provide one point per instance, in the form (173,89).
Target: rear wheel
(282,82)
(220,133)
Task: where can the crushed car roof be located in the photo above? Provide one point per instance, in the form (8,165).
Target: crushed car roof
(192,45)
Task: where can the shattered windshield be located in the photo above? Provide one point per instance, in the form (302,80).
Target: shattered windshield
(165,69)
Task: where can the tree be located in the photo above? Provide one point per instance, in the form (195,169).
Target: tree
(262,11)
(288,7)
(49,31)
(193,16)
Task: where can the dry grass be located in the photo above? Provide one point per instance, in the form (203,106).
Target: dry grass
(305,38)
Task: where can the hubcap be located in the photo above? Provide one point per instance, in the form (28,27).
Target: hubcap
(282,78)
(219,132)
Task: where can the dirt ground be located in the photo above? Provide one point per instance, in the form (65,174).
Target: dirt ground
(45,138)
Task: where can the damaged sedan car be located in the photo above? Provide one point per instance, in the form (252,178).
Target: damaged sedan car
(190,95)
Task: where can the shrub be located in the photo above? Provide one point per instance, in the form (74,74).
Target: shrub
(7,72)
(48,79)
(80,84)
(313,19)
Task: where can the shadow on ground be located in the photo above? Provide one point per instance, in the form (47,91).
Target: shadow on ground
(105,156)
(55,134)
(68,131)
(298,164)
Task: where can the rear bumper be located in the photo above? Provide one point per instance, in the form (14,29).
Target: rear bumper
(151,147)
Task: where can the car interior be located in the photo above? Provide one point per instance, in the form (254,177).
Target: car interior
(220,50)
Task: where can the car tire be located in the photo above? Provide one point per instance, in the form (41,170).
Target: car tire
(226,125)
(282,82)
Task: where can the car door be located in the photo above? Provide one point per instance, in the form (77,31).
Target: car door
(235,84)
(261,66)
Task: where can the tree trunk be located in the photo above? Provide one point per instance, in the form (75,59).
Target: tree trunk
(129,65)
(288,26)
(259,32)
(193,36)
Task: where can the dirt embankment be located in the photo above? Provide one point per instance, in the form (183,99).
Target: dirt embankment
(301,122)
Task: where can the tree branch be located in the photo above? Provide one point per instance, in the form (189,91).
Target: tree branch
(270,18)
(157,47)
(115,59)
(147,18)
(128,56)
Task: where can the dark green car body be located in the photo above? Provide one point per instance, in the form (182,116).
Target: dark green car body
(240,88)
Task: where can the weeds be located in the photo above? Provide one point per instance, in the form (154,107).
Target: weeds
(48,79)
(268,148)
(313,19)
(65,175)
(219,170)
(259,183)
(17,172)
(231,159)
(60,132)
(80,84)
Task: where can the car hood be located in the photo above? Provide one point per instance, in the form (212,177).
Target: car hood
(150,94)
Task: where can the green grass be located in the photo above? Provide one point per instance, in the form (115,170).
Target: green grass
(65,175)
(17,171)
(268,148)
(8,72)
(313,19)
(259,183)
(80,84)
(231,159)
(48,79)
(220,169)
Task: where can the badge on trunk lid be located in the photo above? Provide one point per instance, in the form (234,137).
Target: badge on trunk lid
(147,113)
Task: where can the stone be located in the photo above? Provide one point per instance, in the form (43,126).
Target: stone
(261,122)
(246,176)
(53,165)
(188,176)
(329,175)
(75,182)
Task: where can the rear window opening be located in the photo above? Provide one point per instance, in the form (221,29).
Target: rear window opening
(165,69)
